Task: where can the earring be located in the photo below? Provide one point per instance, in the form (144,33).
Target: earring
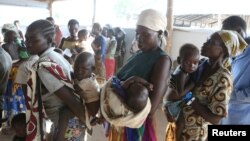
(160,36)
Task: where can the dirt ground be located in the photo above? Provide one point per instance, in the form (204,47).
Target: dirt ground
(98,133)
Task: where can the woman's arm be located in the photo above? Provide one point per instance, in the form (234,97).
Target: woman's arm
(219,97)
(61,43)
(159,79)
(205,112)
(72,102)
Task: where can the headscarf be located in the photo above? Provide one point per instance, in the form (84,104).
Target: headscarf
(8,27)
(153,20)
(233,41)
(235,44)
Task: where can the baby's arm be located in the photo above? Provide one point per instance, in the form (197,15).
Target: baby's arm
(179,79)
(64,116)
(183,83)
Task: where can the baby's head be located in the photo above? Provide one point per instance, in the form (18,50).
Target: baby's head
(137,96)
(10,36)
(84,66)
(188,58)
(83,35)
(18,123)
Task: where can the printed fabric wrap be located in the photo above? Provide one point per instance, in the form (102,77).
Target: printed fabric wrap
(32,113)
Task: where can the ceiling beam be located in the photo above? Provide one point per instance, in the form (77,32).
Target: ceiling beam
(26,3)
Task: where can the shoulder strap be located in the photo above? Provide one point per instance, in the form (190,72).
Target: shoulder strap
(40,105)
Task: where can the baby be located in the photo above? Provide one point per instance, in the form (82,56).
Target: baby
(86,84)
(83,75)
(126,104)
(181,82)
(14,46)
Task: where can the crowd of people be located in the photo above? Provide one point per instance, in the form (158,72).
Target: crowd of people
(57,88)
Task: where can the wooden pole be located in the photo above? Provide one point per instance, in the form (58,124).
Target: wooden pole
(50,8)
(169,26)
(94,12)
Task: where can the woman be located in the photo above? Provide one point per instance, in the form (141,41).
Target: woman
(152,64)
(13,97)
(211,94)
(71,42)
(52,75)
(110,54)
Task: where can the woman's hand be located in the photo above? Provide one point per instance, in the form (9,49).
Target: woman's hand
(136,79)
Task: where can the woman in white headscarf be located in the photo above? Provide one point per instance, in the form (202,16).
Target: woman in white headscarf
(150,63)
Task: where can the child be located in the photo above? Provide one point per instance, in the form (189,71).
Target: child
(13,46)
(83,74)
(84,41)
(18,123)
(13,97)
(85,81)
(180,85)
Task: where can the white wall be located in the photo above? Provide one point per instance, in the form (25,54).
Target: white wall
(194,36)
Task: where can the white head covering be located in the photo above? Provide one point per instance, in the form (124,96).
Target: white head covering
(10,27)
(153,20)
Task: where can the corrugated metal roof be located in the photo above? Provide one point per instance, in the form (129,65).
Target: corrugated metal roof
(203,20)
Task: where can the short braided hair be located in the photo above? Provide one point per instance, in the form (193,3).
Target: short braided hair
(188,49)
(45,28)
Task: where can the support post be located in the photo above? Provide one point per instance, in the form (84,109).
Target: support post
(168,48)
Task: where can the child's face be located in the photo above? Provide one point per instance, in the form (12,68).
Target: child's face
(10,36)
(73,29)
(189,63)
(83,69)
